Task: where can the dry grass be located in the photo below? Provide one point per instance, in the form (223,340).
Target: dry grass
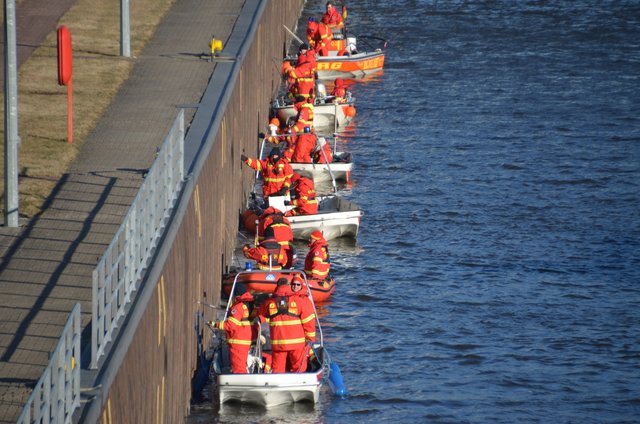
(98,72)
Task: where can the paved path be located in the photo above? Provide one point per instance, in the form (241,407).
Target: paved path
(46,265)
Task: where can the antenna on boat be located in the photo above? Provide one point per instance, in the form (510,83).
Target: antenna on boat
(324,155)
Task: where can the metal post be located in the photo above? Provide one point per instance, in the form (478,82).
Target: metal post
(125,30)
(11,137)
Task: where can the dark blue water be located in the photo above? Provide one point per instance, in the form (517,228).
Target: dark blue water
(496,277)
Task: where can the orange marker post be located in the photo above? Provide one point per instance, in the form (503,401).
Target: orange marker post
(65,73)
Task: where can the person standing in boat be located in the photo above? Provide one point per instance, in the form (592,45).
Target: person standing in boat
(269,254)
(303,74)
(317,264)
(303,197)
(332,17)
(323,39)
(275,171)
(239,332)
(292,327)
(339,90)
(305,115)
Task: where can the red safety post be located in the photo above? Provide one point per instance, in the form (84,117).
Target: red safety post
(65,71)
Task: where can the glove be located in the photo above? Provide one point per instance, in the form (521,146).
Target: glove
(261,135)
(245,247)
(243,157)
(276,170)
(287,203)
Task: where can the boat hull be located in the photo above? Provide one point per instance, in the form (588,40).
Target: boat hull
(319,172)
(336,217)
(269,390)
(325,115)
(354,67)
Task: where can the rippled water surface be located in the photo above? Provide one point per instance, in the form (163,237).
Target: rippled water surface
(496,277)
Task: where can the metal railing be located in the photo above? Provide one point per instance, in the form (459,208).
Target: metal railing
(118,272)
(57,393)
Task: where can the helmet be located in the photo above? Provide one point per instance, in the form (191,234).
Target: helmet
(303,46)
(312,27)
(282,281)
(300,98)
(275,121)
(295,178)
(316,235)
(339,82)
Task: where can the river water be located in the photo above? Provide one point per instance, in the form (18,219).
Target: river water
(496,277)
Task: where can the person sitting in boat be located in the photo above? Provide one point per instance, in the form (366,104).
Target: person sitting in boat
(305,115)
(317,264)
(303,74)
(269,254)
(303,196)
(303,147)
(332,17)
(275,171)
(323,154)
(292,327)
(274,218)
(239,332)
(339,90)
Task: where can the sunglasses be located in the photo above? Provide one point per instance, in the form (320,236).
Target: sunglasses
(296,285)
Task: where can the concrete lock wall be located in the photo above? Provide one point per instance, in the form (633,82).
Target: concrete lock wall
(153,383)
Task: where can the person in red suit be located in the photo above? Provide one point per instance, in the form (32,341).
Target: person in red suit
(303,197)
(332,17)
(239,332)
(304,147)
(269,254)
(275,171)
(317,264)
(292,328)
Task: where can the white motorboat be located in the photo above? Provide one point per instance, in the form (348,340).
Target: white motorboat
(267,389)
(326,112)
(321,172)
(336,217)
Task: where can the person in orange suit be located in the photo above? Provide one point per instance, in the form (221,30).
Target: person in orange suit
(312,31)
(292,328)
(304,146)
(275,171)
(239,332)
(305,115)
(274,218)
(303,197)
(323,39)
(269,254)
(317,264)
(332,17)
(303,74)
(339,90)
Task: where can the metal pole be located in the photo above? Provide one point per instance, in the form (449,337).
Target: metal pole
(125,30)
(11,137)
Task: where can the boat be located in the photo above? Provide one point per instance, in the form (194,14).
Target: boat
(266,389)
(321,172)
(354,66)
(326,112)
(336,217)
(260,281)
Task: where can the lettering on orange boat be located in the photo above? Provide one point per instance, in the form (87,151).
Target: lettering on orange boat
(336,65)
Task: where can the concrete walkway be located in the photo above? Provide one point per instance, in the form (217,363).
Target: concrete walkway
(46,265)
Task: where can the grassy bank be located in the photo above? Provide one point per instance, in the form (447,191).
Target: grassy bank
(98,71)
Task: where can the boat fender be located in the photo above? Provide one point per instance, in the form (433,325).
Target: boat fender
(336,383)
